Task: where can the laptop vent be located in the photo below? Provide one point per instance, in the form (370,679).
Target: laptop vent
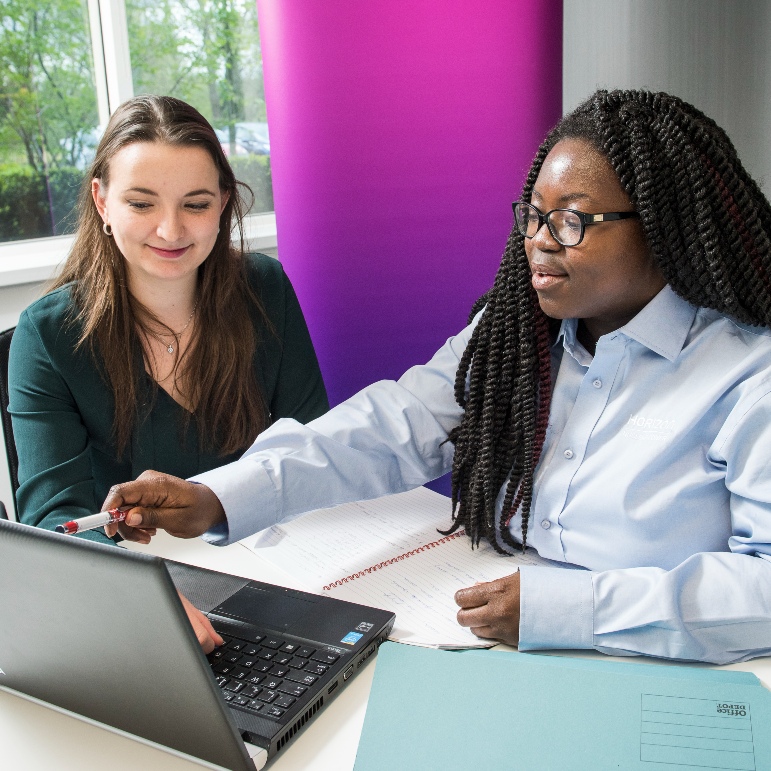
(299,723)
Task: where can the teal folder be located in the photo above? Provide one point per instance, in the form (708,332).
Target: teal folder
(480,710)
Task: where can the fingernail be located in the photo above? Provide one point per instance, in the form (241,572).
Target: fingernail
(134,520)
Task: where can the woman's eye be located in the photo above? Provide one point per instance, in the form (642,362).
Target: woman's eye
(203,206)
(139,205)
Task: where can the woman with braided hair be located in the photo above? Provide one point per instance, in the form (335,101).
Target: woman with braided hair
(609,405)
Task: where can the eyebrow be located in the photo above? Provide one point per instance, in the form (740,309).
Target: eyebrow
(146,191)
(563,199)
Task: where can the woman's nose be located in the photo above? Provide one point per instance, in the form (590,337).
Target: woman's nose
(544,240)
(170,227)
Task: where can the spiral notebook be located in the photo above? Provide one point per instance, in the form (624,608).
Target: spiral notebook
(388,553)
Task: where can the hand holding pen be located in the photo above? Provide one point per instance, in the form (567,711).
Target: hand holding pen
(154,500)
(92,521)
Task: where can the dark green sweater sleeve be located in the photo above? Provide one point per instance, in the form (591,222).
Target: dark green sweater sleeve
(56,480)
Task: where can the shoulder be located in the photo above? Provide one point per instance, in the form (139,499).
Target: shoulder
(264,272)
(735,352)
(46,341)
(58,304)
(50,318)
(271,285)
(731,356)
(736,334)
(752,335)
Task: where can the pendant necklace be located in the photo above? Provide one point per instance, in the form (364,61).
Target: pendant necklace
(175,335)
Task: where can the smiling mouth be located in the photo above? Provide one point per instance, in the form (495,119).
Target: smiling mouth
(169,253)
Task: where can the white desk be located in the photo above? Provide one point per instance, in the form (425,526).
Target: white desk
(33,737)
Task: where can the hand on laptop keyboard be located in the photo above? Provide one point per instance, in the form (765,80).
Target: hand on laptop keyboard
(202,627)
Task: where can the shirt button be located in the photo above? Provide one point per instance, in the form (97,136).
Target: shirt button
(568,454)
(545,524)
(597,383)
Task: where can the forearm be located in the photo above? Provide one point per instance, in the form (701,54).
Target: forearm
(352,453)
(390,437)
(714,607)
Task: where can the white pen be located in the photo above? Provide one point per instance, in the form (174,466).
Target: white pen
(93,521)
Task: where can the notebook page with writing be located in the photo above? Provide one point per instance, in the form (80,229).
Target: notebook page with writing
(388,553)
(328,544)
(420,590)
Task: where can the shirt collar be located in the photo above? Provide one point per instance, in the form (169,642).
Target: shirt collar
(662,326)
(568,337)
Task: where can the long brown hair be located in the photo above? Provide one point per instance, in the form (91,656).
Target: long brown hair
(217,367)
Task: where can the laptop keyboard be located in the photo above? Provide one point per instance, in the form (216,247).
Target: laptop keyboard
(267,674)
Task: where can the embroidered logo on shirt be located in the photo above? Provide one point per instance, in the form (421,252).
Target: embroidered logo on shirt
(650,429)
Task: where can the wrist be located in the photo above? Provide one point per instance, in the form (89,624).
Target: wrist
(211,507)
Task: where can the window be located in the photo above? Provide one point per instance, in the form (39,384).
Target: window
(49,113)
(66,64)
(207,52)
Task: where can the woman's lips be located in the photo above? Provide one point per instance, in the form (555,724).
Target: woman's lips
(546,280)
(169,254)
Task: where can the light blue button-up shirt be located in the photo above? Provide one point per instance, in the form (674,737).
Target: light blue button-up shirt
(655,476)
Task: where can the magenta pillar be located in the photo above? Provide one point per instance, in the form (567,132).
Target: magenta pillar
(401,131)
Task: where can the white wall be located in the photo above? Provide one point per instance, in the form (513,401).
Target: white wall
(712,53)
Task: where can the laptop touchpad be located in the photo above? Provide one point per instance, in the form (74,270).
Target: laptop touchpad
(279,608)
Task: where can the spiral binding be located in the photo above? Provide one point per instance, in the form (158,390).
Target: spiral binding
(391,561)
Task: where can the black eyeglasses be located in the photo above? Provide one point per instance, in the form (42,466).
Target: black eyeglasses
(566,225)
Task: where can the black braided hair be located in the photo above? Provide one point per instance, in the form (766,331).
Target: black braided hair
(708,227)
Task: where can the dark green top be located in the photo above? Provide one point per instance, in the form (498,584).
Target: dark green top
(62,410)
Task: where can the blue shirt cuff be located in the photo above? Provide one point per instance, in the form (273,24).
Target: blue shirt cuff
(556,608)
(219,535)
(246,510)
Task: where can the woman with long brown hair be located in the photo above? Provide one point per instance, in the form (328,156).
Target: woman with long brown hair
(160,344)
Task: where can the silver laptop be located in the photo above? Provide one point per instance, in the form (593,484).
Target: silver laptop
(100,632)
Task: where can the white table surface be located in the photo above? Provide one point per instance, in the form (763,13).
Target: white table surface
(34,737)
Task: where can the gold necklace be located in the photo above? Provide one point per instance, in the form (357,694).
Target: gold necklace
(176,335)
